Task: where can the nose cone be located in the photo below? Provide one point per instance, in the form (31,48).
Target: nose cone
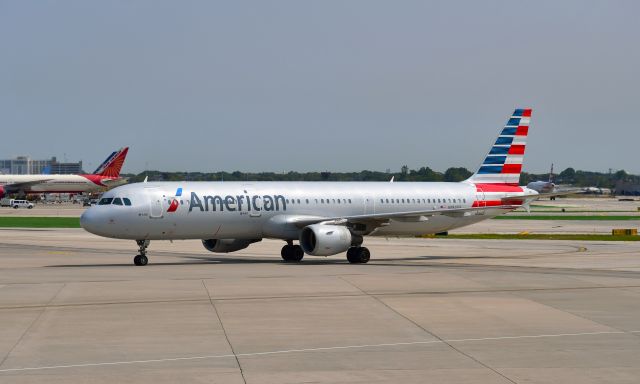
(93,221)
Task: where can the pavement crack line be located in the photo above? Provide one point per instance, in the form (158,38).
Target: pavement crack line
(572,313)
(226,336)
(310,350)
(305,296)
(44,309)
(446,342)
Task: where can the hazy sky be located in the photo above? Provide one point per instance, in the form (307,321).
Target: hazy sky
(319,85)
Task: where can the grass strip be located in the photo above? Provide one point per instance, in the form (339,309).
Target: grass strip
(519,210)
(537,236)
(39,222)
(567,217)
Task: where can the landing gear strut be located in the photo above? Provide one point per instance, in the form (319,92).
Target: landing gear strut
(358,255)
(292,253)
(141,259)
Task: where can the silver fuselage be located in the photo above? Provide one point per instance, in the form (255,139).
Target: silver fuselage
(255,210)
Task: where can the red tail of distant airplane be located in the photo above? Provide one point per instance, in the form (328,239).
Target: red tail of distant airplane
(113,164)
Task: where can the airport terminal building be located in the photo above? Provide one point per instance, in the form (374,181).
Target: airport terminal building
(24,165)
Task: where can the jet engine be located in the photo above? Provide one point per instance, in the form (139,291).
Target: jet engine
(227,245)
(325,240)
(2,192)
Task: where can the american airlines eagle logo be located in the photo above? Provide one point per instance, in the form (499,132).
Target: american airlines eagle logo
(173,206)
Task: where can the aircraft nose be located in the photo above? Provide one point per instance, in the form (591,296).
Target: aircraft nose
(92,221)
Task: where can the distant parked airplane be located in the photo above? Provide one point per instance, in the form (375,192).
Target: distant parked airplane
(543,186)
(107,175)
(326,218)
(552,190)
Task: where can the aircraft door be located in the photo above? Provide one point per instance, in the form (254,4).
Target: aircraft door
(249,190)
(369,205)
(156,208)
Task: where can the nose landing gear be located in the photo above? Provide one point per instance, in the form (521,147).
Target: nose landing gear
(141,259)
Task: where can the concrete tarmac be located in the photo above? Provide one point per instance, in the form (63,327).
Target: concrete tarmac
(73,308)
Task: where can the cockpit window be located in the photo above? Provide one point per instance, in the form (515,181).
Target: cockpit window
(105,201)
(127,202)
(117,201)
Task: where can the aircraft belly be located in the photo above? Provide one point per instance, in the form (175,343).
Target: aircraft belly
(434,224)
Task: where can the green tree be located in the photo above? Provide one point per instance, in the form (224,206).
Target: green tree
(457,174)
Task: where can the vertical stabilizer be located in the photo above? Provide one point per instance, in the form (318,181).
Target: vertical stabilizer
(113,164)
(503,164)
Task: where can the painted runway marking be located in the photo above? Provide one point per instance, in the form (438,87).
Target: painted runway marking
(266,353)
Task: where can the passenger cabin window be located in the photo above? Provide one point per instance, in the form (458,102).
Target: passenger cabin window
(105,201)
(117,201)
(127,202)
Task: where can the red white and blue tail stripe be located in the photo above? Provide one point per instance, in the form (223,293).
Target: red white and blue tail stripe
(503,164)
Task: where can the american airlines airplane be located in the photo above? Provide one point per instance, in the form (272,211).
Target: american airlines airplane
(107,175)
(325,218)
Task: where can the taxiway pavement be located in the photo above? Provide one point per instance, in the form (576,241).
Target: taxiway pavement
(73,308)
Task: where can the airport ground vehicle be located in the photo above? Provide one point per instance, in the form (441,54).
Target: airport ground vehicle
(326,218)
(89,202)
(15,204)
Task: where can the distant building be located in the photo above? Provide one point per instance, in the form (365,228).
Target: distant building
(24,165)
(627,188)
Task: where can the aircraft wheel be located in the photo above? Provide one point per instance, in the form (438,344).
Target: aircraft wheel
(292,253)
(358,255)
(140,260)
(286,250)
(297,253)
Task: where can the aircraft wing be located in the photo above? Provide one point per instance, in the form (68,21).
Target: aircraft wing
(17,187)
(112,183)
(376,219)
(563,192)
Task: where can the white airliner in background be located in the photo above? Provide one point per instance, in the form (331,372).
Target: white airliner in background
(552,190)
(107,175)
(326,218)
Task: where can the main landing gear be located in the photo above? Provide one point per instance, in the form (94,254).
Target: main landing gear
(141,259)
(358,255)
(292,253)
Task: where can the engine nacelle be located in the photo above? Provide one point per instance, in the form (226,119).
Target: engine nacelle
(325,240)
(2,192)
(227,245)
